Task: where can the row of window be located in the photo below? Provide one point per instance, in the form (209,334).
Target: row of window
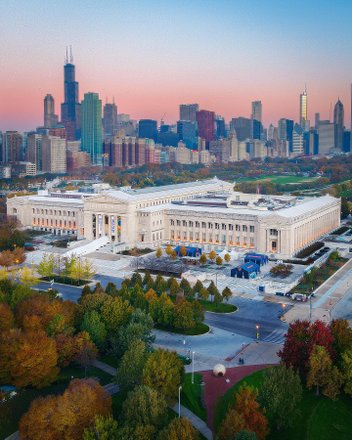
(222,226)
(53,212)
(216,238)
(51,222)
(157,236)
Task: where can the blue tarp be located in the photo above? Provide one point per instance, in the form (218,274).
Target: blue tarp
(259,259)
(246,270)
(191,251)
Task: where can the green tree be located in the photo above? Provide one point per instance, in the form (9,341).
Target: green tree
(27,277)
(186,287)
(104,428)
(345,208)
(342,334)
(183,315)
(319,368)
(280,395)
(46,266)
(218,298)
(346,367)
(198,311)
(164,372)
(162,310)
(204,294)
(115,312)
(147,278)
(131,365)
(179,429)
(160,285)
(212,289)
(246,435)
(86,290)
(136,279)
(87,269)
(334,384)
(174,287)
(144,406)
(70,266)
(198,286)
(111,289)
(226,294)
(95,327)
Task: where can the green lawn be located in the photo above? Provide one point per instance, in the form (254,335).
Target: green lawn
(191,395)
(320,418)
(218,308)
(199,329)
(279,179)
(13,409)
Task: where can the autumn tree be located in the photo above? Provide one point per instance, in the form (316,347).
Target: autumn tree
(198,286)
(164,372)
(334,383)
(158,252)
(28,277)
(319,368)
(246,414)
(104,428)
(280,395)
(218,261)
(212,255)
(135,357)
(203,259)
(85,351)
(6,259)
(212,289)
(183,251)
(46,266)
(68,415)
(346,367)
(183,315)
(227,258)
(144,406)
(179,429)
(6,317)
(186,287)
(342,336)
(174,287)
(168,250)
(174,254)
(226,293)
(204,294)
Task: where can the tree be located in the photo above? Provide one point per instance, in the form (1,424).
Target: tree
(6,259)
(86,351)
(104,428)
(179,429)
(334,384)
(174,254)
(281,270)
(66,349)
(115,312)
(86,290)
(174,287)
(203,259)
(227,258)
(6,317)
(87,269)
(345,208)
(136,279)
(95,327)
(183,251)
(27,276)
(226,293)
(28,358)
(183,315)
(70,266)
(218,261)
(320,365)
(144,406)
(66,416)
(198,311)
(162,310)
(212,289)
(135,357)
(164,372)
(212,256)
(158,252)
(160,285)
(204,294)
(217,298)
(342,336)
(168,250)
(280,394)
(246,414)
(46,267)
(186,287)
(346,368)
(246,435)
(98,288)
(198,286)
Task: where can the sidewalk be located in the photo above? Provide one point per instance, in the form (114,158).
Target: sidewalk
(198,423)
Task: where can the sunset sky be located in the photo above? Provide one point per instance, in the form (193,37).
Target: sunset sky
(153,55)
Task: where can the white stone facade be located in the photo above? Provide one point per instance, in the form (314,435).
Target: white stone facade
(206,213)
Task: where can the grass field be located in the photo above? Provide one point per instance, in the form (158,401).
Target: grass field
(320,418)
(191,395)
(218,308)
(281,180)
(199,329)
(12,410)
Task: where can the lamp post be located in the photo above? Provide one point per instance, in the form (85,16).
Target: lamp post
(193,367)
(179,401)
(257,331)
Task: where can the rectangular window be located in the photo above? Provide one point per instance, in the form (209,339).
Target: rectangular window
(251,229)
(238,227)
(210,225)
(274,232)
(172,222)
(223,226)
(178,222)
(190,224)
(197,224)
(204,225)
(244,228)
(217,226)
(184,223)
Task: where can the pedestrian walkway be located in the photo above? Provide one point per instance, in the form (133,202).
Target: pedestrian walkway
(276,336)
(104,367)
(198,423)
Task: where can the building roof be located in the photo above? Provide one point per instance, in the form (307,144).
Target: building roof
(306,206)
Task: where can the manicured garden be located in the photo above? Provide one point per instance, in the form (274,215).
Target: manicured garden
(191,395)
(218,307)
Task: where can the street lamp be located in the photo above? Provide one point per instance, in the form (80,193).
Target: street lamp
(193,367)
(179,401)
(257,331)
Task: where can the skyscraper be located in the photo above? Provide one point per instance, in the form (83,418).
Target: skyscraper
(109,119)
(34,150)
(188,112)
(12,147)
(70,108)
(92,127)
(256,120)
(285,129)
(50,119)
(303,110)
(242,127)
(206,125)
(187,131)
(53,154)
(338,125)
(148,128)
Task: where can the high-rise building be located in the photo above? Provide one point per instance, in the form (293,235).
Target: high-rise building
(303,110)
(148,128)
(188,112)
(109,119)
(53,154)
(256,120)
(206,125)
(326,133)
(297,140)
(220,131)
(187,131)
(50,118)
(338,125)
(12,147)
(70,108)
(242,127)
(92,127)
(34,150)
(221,149)
(285,129)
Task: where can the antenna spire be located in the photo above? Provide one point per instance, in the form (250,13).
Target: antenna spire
(71,56)
(66,56)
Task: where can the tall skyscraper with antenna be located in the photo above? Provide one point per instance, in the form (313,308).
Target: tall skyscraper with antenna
(70,108)
(303,110)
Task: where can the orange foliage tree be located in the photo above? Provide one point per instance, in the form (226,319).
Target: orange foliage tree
(6,317)
(66,416)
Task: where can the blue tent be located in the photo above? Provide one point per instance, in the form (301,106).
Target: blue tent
(191,251)
(247,270)
(252,257)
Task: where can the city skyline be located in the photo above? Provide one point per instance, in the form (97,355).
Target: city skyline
(214,53)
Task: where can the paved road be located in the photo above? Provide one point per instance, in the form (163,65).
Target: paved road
(250,314)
